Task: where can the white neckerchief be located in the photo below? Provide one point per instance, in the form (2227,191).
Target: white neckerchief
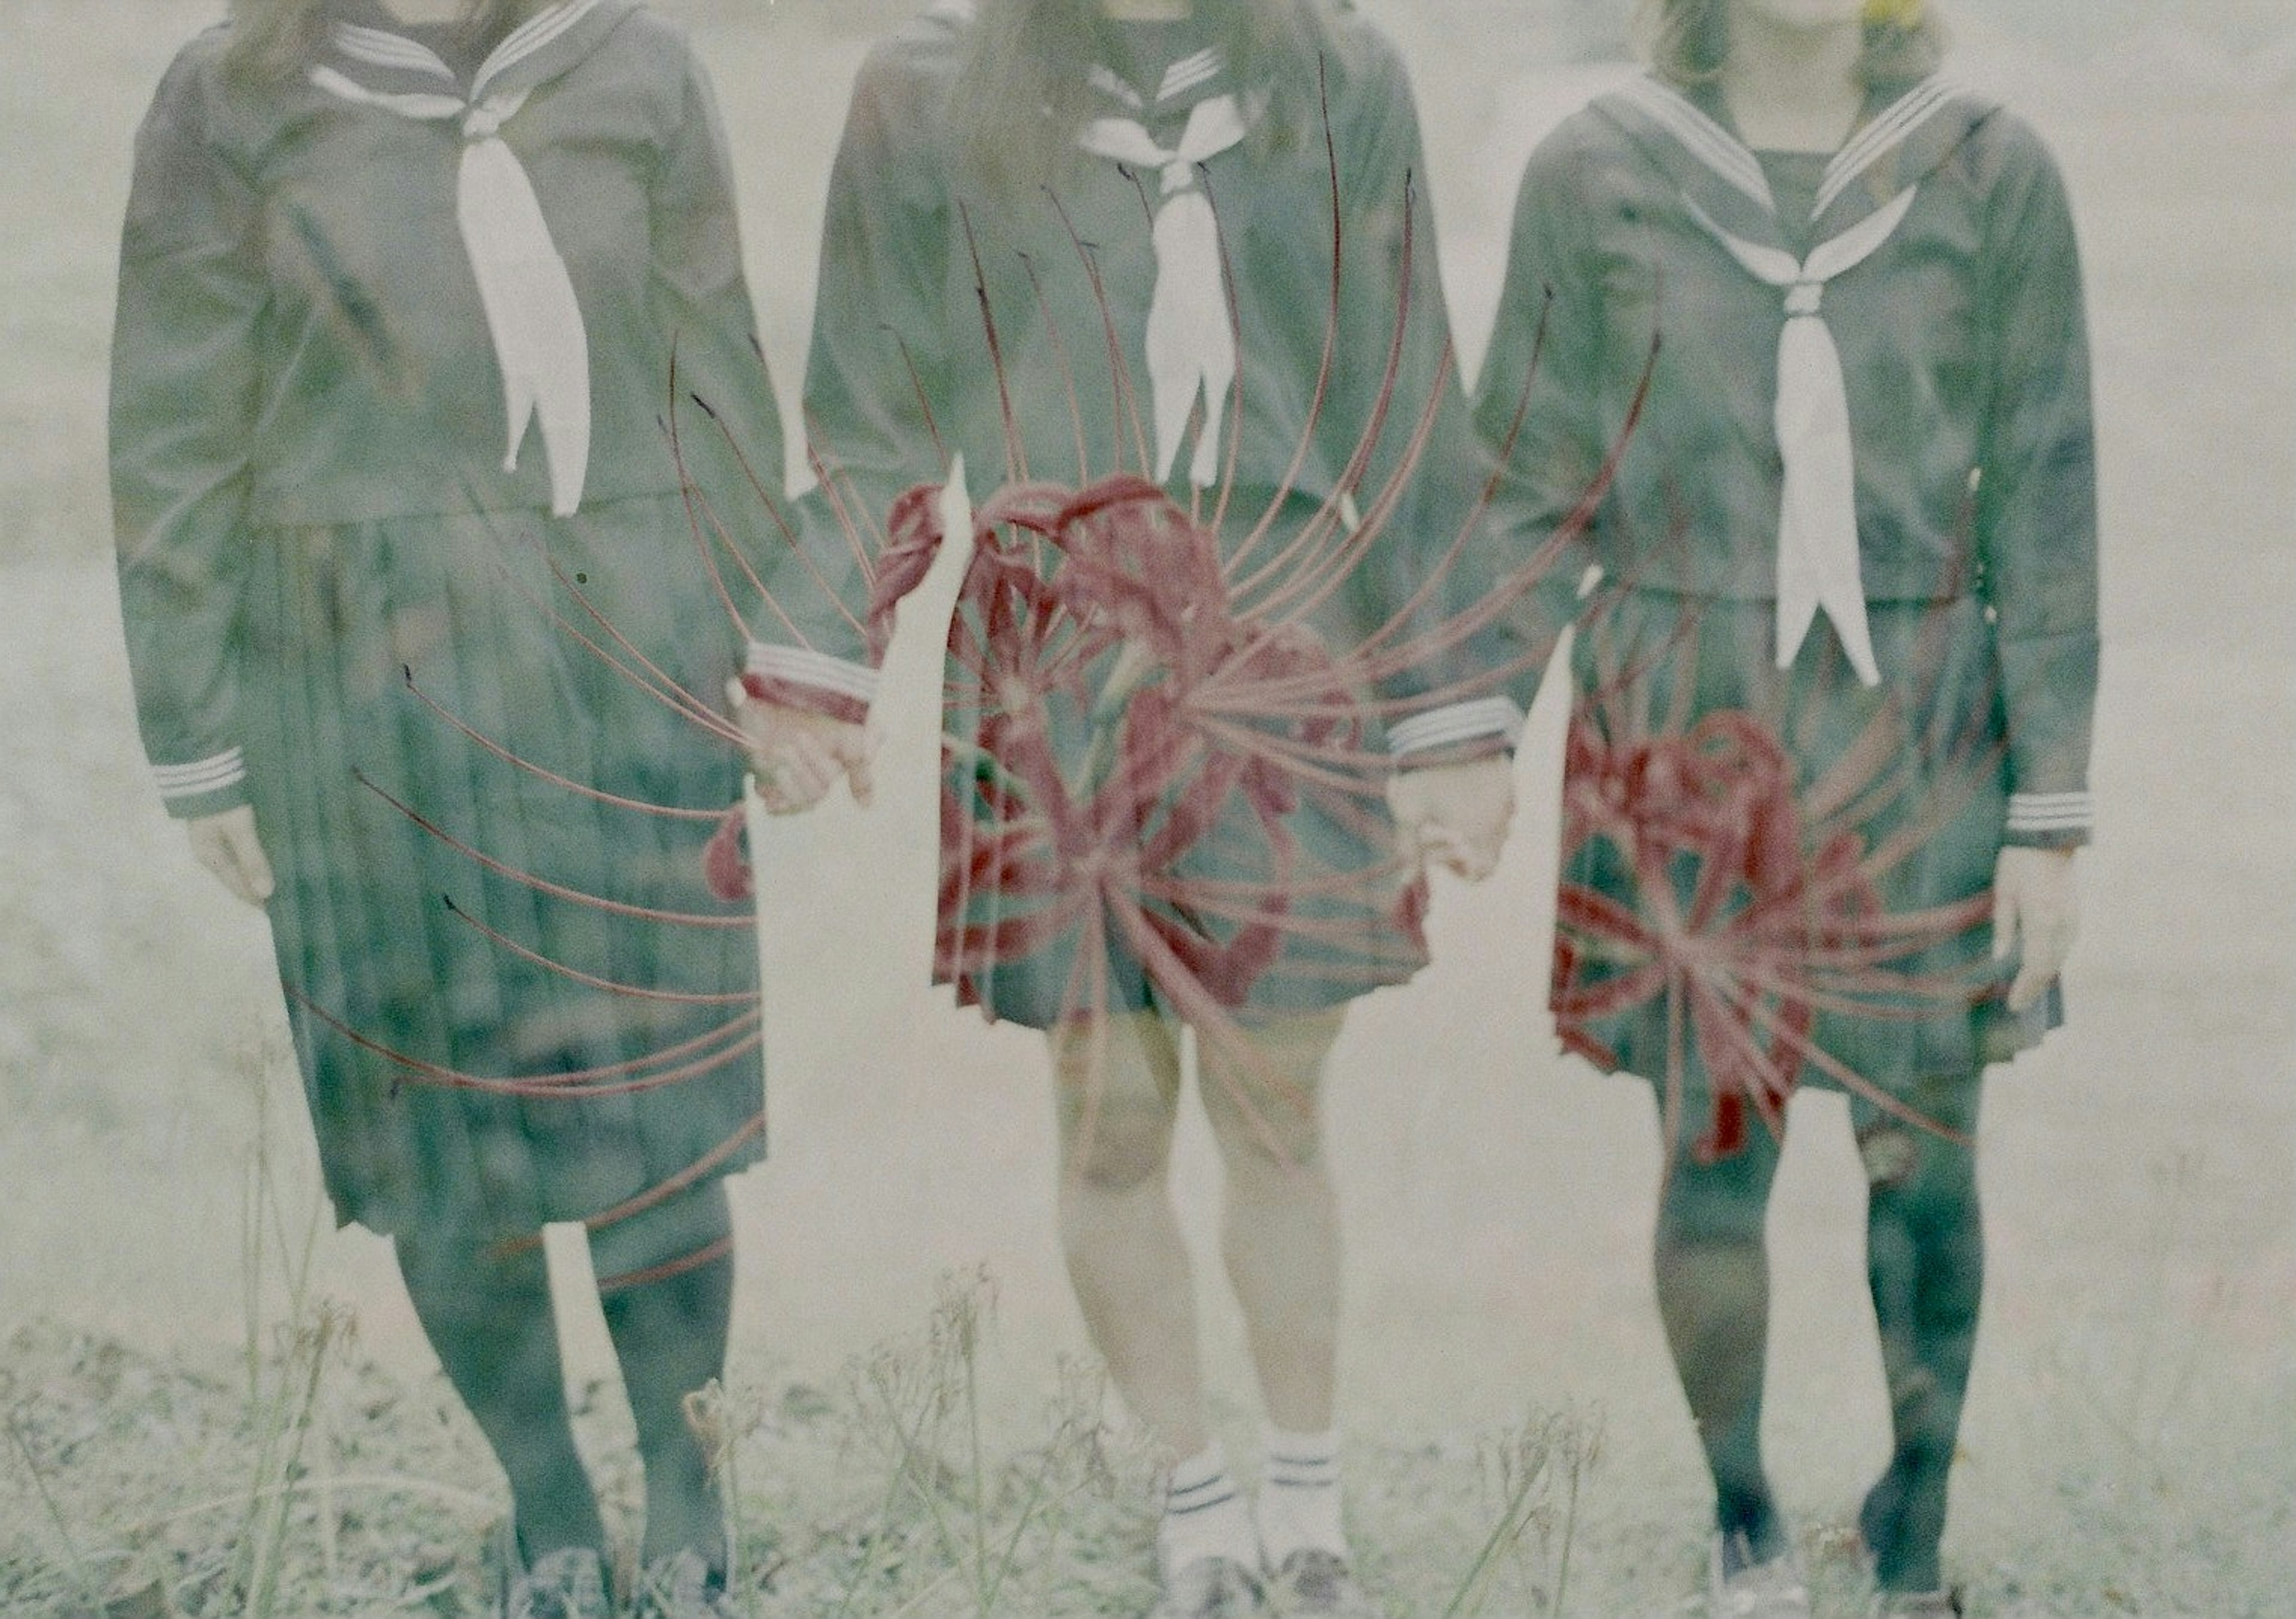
(1817,557)
(1817,509)
(532,314)
(1190,342)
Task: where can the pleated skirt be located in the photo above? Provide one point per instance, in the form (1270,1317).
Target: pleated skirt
(1257,876)
(514,999)
(1784,862)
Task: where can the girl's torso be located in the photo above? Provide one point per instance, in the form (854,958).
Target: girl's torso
(1918,325)
(380,392)
(1070,270)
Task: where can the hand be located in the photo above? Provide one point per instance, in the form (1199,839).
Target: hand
(798,756)
(2037,910)
(1456,815)
(226,843)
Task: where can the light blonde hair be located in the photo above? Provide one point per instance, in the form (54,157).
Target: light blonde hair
(276,39)
(1687,41)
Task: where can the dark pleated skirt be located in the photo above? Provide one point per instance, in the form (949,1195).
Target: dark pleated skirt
(1809,854)
(514,1001)
(1256,905)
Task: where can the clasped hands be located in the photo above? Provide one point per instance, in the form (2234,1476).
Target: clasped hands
(1453,815)
(797,755)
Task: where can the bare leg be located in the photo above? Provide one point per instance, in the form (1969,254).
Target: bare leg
(1116,1082)
(1713,1282)
(1281,1235)
(489,1317)
(1925,1262)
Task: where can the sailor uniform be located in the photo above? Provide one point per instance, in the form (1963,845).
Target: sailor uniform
(1856,502)
(393,341)
(1164,311)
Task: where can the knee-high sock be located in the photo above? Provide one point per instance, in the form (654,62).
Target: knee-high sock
(667,1289)
(1925,1262)
(1714,1297)
(488,1316)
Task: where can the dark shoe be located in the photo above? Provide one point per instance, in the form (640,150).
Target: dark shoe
(1320,1585)
(1943,1604)
(1211,1587)
(568,1583)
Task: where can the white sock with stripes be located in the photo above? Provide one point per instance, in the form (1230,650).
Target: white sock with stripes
(1299,1496)
(1204,1516)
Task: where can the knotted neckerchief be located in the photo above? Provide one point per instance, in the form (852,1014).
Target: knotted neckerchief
(1190,342)
(1817,560)
(532,314)
(1818,510)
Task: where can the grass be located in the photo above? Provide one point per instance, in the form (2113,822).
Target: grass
(931,1484)
(2134,1446)
(901,1497)
(1523,1467)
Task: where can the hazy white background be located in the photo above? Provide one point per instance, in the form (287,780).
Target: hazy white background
(2138,1169)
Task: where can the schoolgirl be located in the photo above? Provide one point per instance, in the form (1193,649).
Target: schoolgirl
(1072,240)
(369,660)
(1828,760)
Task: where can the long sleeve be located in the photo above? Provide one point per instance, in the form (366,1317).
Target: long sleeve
(185,383)
(703,308)
(2036,526)
(877,369)
(1537,407)
(1425,564)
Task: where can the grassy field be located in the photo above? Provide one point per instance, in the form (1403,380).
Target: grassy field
(196,1417)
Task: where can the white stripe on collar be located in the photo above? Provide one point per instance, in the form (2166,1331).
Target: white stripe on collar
(1113,84)
(529,37)
(1869,145)
(1730,158)
(1703,138)
(385,50)
(1189,71)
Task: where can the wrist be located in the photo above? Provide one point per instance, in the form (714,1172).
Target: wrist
(1475,751)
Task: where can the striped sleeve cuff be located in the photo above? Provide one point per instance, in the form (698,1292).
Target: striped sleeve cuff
(1455,724)
(801,678)
(2051,817)
(213,774)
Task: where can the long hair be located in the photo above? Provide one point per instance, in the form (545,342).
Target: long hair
(1021,92)
(276,39)
(1687,41)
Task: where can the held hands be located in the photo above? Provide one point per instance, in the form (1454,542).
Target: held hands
(2036,907)
(798,756)
(1455,815)
(227,844)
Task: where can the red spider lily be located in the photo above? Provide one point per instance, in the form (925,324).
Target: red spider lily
(1208,709)
(1127,628)
(1761,904)
(1198,687)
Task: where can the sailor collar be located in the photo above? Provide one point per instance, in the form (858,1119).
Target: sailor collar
(1197,75)
(1867,190)
(533,315)
(547,43)
(1904,139)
